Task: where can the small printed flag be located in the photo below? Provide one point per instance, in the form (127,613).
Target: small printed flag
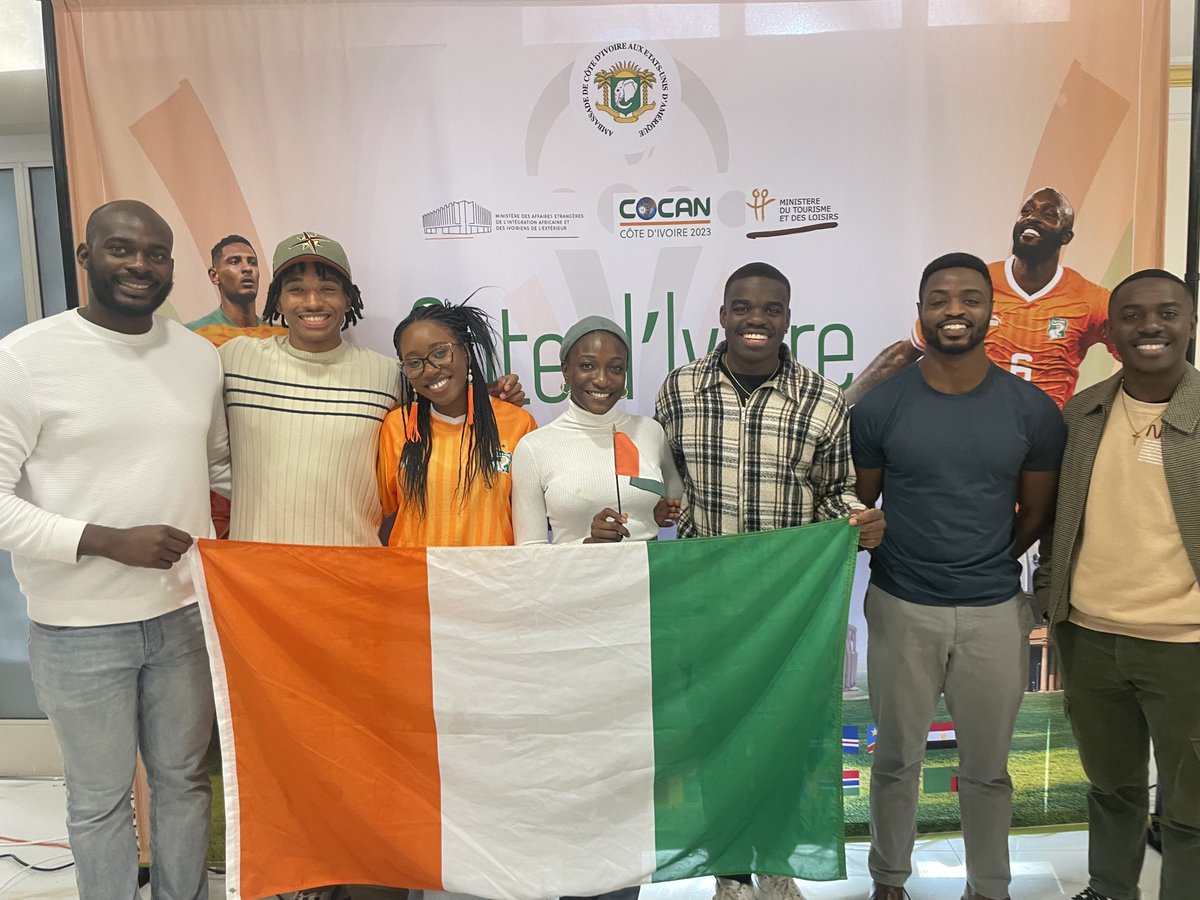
(850,782)
(941,780)
(849,738)
(872,733)
(628,462)
(941,736)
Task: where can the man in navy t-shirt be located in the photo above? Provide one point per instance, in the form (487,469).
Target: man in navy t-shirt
(966,457)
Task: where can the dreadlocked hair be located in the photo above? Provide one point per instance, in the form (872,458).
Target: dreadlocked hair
(354,311)
(479,446)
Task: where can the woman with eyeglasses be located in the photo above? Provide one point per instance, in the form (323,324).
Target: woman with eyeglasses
(444,452)
(595,474)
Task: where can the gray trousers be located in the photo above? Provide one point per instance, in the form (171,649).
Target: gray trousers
(978,656)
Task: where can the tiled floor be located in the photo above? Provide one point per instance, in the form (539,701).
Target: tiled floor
(1045,866)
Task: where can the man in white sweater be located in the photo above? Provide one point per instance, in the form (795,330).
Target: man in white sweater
(111,433)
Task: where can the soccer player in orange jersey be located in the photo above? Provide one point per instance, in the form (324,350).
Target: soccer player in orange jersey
(234,273)
(1046,316)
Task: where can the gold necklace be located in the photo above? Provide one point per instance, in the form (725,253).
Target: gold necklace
(1134,431)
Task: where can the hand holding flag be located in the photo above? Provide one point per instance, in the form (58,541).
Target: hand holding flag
(608,526)
(870,523)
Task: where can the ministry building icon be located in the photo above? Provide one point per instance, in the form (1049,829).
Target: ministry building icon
(458,217)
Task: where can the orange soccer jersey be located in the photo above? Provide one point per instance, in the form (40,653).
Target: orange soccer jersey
(218,335)
(485,519)
(1043,337)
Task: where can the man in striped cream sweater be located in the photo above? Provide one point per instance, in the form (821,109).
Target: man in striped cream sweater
(305,408)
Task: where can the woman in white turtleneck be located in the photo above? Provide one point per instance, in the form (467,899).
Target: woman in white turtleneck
(566,472)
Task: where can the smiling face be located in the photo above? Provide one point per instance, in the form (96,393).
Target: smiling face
(128,260)
(1150,322)
(755,315)
(595,370)
(236,274)
(1043,227)
(955,311)
(445,386)
(313,306)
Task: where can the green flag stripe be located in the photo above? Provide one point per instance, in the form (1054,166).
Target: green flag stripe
(649,484)
(747,639)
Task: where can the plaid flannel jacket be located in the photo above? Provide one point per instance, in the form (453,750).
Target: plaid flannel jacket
(1086,414)
(781,460)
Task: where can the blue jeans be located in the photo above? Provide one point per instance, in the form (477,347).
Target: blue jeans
(109,690)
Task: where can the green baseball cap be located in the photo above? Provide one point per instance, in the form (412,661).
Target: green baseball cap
(308,246)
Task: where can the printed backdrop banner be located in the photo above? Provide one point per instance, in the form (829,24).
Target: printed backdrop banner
(623,159)
(570,159)
(473,719)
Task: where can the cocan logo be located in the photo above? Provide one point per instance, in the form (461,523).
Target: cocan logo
(644,216)
(646,209)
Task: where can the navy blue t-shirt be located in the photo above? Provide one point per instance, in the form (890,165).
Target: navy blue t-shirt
(951,469)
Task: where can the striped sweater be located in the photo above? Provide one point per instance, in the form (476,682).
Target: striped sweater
(304,434)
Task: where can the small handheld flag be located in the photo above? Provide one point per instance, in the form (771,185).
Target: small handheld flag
(628,462)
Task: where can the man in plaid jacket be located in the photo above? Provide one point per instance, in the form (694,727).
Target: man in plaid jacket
(761,442)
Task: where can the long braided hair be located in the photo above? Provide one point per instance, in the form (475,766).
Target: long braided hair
(479,446)
(354,310)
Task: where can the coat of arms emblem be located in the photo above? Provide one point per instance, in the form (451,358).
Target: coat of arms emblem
(626,91)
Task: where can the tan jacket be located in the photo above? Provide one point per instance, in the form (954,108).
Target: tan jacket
(1085,415)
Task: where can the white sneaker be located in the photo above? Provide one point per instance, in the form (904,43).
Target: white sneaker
(777,887)
(729,889)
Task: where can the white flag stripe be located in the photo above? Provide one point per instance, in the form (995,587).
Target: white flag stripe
(514,736)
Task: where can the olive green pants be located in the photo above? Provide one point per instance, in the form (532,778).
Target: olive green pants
(1121,693)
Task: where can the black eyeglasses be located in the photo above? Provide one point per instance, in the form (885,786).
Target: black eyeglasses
(441,358)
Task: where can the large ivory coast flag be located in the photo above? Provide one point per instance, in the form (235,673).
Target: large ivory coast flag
(522,723)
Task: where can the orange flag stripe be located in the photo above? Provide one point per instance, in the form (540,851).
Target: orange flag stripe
(626,454)
(300,781)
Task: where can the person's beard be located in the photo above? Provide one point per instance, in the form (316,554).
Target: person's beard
(101,291)
(933,338)
(1036,254)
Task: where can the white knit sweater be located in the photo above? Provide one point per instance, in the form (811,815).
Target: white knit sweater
(566,472)
(111,429)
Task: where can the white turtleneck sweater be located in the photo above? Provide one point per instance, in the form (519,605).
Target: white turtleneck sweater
(566,472)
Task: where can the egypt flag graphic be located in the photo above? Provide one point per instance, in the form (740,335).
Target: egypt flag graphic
(941,736)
